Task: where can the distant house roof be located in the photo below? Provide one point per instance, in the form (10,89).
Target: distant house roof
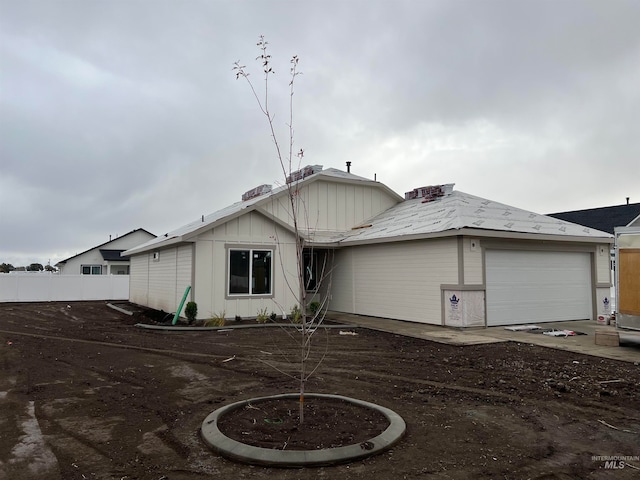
(112,255)
(62,262)
(456,211)
(604,218)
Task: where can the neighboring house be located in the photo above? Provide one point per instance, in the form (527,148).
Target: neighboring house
(437,256)
(604,218)
(105,259)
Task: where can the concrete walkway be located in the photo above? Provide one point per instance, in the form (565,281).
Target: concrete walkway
(628,351)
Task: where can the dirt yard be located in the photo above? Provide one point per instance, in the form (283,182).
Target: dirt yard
(84,394)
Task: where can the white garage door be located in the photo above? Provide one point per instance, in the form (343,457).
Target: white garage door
(534,287)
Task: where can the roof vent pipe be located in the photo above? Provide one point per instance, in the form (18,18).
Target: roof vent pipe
(348,167)
(627,200)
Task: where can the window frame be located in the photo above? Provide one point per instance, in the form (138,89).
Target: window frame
(251,250)
(91,268)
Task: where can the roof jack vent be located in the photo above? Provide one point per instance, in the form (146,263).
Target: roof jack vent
(348,167)
(304,173)
(430,193)
(256,192)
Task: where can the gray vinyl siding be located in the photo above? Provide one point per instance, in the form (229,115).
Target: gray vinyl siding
(183,272)
(397,280)
(161,283)
(139,279)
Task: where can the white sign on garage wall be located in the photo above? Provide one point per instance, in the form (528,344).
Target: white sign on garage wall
(464,308)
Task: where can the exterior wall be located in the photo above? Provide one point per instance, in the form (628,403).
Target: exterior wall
(342,280)
(332,206)
(139,279)
(73,266)
(603,265)
(160,282)
(252,230)
(472,261)
(396,280)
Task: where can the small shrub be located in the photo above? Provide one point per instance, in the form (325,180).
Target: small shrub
(314,307)
(216,320)
(273,316)
(262,316)
(191,311)
(295,314)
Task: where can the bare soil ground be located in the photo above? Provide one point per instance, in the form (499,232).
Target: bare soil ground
(84,394)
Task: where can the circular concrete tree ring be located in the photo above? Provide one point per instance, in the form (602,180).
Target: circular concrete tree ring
(242,452)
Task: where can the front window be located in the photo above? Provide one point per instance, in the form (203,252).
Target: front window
(91,269)
(250,272)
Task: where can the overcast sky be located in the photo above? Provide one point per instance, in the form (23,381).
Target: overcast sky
(117,115)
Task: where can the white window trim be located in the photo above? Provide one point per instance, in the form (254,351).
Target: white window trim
(250,249)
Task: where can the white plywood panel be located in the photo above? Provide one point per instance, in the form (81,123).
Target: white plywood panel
(537,286)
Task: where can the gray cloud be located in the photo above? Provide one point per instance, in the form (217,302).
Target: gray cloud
(120,115)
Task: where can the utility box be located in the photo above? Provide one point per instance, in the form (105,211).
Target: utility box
(627,250)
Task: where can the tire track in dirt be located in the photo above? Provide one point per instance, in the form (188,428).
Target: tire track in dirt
(114,345)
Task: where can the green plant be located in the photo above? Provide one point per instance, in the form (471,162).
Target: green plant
(191,311)
(216,320)
(262,316)
(314,307)
(296,314)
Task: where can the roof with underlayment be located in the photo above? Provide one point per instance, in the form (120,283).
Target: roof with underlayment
(409,219)
(458,210)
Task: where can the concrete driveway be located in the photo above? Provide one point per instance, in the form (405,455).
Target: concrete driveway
(628,350)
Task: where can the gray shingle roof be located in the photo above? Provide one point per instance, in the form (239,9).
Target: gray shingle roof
(605,218)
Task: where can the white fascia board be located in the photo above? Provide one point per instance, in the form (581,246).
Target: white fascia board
(480,233)
(154,246)
(606,238)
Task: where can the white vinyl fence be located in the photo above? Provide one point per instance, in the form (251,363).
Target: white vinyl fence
(44,287)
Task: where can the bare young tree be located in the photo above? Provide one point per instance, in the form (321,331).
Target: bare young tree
(306,325)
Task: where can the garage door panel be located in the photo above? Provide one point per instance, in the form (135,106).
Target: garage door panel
(534,287)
